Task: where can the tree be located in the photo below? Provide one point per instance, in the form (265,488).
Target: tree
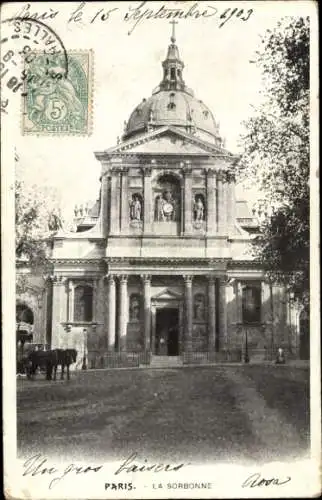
(276,154)
(37,218)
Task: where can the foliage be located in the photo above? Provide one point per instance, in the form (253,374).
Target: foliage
(276,154)
(36,220)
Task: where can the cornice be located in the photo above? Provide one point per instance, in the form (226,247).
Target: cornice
(99,261)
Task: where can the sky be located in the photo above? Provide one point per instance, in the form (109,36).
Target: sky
(127,67)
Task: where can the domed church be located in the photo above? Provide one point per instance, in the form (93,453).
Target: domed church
(159,272)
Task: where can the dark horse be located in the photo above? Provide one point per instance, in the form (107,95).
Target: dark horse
(50,361)
(40,359)
(64,357)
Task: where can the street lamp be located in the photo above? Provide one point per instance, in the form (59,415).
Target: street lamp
(84,365)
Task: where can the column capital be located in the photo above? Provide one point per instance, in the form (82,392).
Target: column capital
(187,170)
(147,171)
(211,171)
(110,278)
(123,278)
(116,170)
(146,278)
(59,280)
(124,169)
(188,279)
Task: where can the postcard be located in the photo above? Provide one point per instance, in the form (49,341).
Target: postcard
(160,249)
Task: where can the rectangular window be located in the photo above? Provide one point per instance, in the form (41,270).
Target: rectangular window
(83,303)
(251,304)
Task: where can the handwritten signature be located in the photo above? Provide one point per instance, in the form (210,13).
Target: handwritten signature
(37,466)
(257,480)
(130,466)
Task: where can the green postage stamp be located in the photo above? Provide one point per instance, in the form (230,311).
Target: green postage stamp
(58,94)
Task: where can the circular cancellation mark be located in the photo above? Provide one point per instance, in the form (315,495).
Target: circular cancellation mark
(22,41)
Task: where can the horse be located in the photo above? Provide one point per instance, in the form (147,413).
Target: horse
(40,359)
(63,357)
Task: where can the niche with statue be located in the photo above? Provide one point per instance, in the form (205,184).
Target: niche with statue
(199,211)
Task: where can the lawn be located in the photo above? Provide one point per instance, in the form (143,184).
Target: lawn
(200,414)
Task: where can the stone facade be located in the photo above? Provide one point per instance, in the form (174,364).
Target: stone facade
(165,267)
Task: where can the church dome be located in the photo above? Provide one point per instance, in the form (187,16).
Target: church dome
(173,103)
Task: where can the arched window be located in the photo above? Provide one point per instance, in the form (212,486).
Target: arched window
(24,314)
(83,303)
(199,307)
(135,307)
(173,73)
(251,304)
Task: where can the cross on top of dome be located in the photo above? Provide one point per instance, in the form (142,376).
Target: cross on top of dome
(173,37)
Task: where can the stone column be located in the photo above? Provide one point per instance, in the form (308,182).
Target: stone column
(104,205)
(231,207)
(222,215)
(71,288)
(123,313)
(239,300)
(99,310)
(60,299)
(211,202)
(147,311)
(115,202)
(211,313)
(111,313)
(223,311)
(124,200)
(188,200)
(147,200)
(188,314)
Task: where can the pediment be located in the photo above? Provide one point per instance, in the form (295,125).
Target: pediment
(167,140)
(167,294)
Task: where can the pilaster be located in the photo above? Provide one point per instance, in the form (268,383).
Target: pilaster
(60,299)
(188,200)
(212,312)
(211,202)
(111,312)
(188,314)
(115,201)
(147,310)
(104,206)
(124,200)
(147,172)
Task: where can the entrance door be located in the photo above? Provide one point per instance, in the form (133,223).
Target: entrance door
(167,332)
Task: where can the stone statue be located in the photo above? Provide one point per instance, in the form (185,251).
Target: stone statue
(135,208)
(199,210)
(54,222)
(166,207)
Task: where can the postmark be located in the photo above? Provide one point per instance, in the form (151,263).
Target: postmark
(57,103)
(22,40)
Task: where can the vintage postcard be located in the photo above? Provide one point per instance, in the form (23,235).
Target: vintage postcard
(161,334)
